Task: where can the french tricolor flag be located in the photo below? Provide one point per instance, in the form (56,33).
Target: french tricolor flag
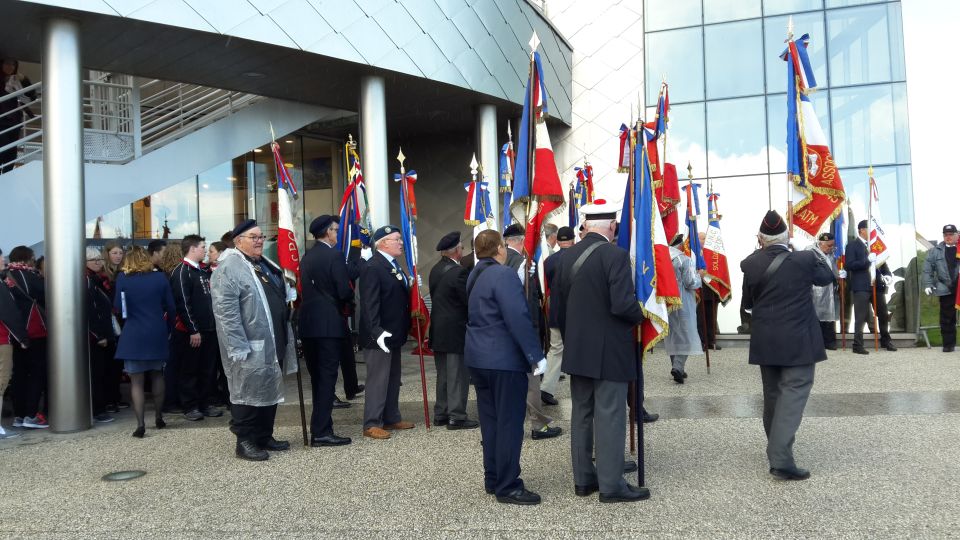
(288,254)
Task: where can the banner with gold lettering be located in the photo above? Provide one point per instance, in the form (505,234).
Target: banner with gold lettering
(717,276)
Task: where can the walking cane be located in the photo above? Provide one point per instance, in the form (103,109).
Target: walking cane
(876,329)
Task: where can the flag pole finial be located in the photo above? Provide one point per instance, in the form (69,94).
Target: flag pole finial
(473,167)
(273,136)
(401,158)
(689,171)
(534,42)
(509,131)
(790,28)
(870,171)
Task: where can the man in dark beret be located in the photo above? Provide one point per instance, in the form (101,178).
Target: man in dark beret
(448,327)
(785,341)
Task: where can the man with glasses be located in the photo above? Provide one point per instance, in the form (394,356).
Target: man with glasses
(940,280)
(256,342)
(384,324)
(327,301)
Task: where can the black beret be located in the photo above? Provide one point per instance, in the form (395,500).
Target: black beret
(243,226)
(449,241)
(564,234)
(320,224)
(949,229)
(772,224)
(825,237)
(513,231)
(677,241)
(384,231)
(862,224)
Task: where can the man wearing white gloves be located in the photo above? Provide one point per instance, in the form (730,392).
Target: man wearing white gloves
(940,280)
(384,324)
(861,265)
(825,296)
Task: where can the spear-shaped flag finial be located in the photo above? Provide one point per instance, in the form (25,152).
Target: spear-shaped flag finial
(689,170)
(473,167)
(534,42)
(401,158)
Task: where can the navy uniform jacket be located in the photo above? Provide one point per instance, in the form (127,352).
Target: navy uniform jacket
(549,272)
(858,268)
(384,303)
(597,312)
(785,327)
(191,293)
(448,317)
(500,334)
(327,294)
(148,303)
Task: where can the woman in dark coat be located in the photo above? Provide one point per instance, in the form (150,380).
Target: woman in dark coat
(144,300)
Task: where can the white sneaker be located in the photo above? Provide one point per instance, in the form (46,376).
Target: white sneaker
(4,435)
(35,422)
(18,421)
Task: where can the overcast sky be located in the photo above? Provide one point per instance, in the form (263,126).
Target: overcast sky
(928,27)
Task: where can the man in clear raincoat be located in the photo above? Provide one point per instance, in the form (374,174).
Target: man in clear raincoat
(683,339)
(250,300)
(824,298)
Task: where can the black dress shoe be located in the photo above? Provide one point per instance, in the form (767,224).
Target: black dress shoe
(249,451)
(519,496)
(357,392)
(274,445)
(629,466)
(860,350)
(463,424)
(584,491)
(340,404)
(677,376)
(329,440)
(790,473)
(948,348)
(632,493)
(489,490)
(141,430)
(548,432)
(831,347)
(441,421)
(649,418)
(160,423)
(889,347)
(548,399)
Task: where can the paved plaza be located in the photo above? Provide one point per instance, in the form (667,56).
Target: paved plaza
(880,438)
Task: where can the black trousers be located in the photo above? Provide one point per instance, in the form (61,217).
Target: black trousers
(863,311)
(323,356)
(111,385)
(254,424)
(171,375)
(100,363)
(198,369)
(501,407)
(948,319)
(29,377)
(348,368)
(829,331)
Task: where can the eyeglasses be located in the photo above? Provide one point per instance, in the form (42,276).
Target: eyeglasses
(253,238)
(94,260)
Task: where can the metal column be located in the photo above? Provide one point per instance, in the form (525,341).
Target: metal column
(63,217)
(373,148)
(489,154)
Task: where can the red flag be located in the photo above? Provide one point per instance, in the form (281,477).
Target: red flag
(288,254)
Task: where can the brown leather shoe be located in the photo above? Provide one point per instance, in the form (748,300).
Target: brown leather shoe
(376,433)
(399,425)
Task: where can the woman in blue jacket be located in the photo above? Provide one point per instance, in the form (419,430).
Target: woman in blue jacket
(144,300)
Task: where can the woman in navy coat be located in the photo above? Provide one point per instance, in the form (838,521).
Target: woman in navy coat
(144,300)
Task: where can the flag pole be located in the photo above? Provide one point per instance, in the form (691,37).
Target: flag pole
(632,389)
(873,268)
(840,264)
(799,114)
(703,304)
(638,394)
(531,154)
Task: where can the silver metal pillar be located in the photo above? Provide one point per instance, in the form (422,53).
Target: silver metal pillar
(373,148)
(63,218)
(489,152)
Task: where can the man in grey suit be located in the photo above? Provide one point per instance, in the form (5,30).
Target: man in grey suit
(785,340)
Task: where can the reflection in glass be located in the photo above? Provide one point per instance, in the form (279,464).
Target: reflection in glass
(729,10)
(115,224)
(869,125)
(775,32)
(663,14)
(860,50)
(779,7)
(843,3)
(686,139)
(171,213)
(266,209)
(777,126)
(678,55)
(322,165)
(223,197)
(734,59)
(736,137)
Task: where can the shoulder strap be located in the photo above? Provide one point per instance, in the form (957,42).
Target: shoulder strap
(771,270)
(579,262)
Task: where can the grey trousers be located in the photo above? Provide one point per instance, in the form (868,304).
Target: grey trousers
(599,411)
(785,393)
(551,379)
(538,418)
(381,402)
(453,384)
(678,362)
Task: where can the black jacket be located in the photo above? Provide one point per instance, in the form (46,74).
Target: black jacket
(785,329)
(857,266)
(327,293)
(29,291)
(191,294)
(597,312)
(448,316)
(550,265)
(384,303)
(11,317)
(99,310)
(534,292)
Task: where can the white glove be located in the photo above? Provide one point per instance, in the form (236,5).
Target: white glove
(872,257)
(887,280)
(366,253)
(238,358)
(381,341)
(533,267)
(843,274)
(928,291)
(291,294)
(520,273)
(541,367)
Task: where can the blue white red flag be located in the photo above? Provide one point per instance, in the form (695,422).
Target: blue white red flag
(581,193)
(714,254)
(477,208)
(354,218)
(507,159)
(408,232)
(840,238)
(288,254)
(692,245)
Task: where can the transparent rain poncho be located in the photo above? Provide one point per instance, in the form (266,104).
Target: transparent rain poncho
(246,334)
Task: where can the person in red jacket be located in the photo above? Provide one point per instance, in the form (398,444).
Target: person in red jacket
(29,364)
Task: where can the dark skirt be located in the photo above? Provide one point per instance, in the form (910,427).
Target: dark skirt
(142,366)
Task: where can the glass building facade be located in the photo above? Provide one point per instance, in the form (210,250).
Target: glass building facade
(727,83)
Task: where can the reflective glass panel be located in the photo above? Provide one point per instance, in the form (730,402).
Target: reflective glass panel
(729,10)
(778,7)
(115,224)
(663,14)
(774,45)
(844,3)
(736,137)
(860,46)
(266,205)
(734,59)
(223,197)
(322,165)
(678,55)
(777,126)
(869,125)
(686,139)
(171,213)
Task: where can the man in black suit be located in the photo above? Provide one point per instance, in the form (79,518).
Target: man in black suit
(384,324)
(598,310)
(327,298)
(448,326)
(859,263)
(551,378)
(786,341)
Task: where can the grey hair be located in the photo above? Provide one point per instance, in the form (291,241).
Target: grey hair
(93,253)
(767,240)
(594,224)
(550,229)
